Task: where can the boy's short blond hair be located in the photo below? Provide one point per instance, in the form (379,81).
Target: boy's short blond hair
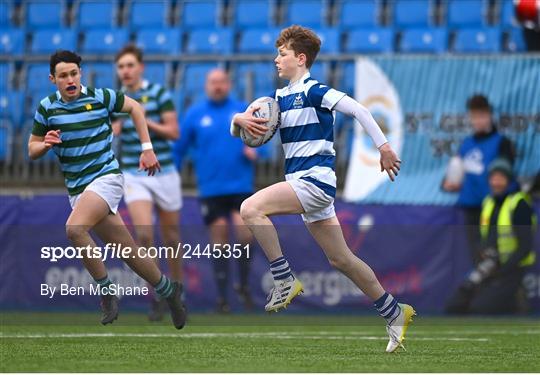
(300,40)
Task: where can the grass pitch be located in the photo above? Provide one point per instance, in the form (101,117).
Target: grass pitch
(49,342)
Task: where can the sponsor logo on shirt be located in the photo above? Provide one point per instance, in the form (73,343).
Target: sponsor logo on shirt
(473,162)
(206,121)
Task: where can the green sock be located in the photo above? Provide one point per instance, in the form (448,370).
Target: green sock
(104,283)
(165,287)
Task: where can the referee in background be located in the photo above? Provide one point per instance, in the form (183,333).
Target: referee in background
(225,176)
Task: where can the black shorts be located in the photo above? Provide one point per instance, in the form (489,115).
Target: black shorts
(213,208)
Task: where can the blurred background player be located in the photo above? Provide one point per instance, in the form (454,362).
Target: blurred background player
(75,123)
(476,153)
(225,173)
(507,227)
(307,134)
(142,192)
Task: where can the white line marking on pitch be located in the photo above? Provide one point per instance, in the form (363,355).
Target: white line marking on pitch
(276,335)
(449,332)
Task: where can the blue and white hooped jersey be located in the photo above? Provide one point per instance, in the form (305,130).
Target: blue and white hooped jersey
(307,132)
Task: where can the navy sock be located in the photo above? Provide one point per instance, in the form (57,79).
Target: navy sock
(388,307)
(280,270)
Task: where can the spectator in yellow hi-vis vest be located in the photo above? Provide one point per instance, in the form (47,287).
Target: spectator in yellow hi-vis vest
(507,224)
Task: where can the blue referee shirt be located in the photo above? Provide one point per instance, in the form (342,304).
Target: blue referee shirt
(220,164)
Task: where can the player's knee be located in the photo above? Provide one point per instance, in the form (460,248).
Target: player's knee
(339,262)
(144,238)
(171,236)
(249,210)
(75,232)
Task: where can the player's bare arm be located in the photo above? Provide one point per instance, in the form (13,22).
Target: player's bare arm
(250,153)
(148,160)
(249,122)
(38,146)
(168,127)
(117,127)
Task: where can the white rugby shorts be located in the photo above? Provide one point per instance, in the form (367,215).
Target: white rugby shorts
(110,187)
(317,205)
(165,190)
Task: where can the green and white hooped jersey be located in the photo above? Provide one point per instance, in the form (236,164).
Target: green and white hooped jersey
(156,100)
(85,152)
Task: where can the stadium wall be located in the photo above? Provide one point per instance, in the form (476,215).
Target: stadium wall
(419,254)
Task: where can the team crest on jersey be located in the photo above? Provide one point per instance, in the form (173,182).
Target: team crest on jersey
(144,99)
(88,107)
(298,102)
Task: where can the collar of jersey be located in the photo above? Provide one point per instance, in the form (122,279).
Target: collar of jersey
(300,81)
(144,86)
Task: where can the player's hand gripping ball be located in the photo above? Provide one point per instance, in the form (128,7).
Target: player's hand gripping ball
(268,109)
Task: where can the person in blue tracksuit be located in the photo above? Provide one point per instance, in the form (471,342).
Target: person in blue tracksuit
(477,152)
(224,169)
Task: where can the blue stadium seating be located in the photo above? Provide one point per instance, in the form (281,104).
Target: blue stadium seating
(6,13)
(194,76)
(178,100)
(507,14)
(330,40)
(11,42)
(253,13)
(48,41)
(6,140)
(262,74)
(201,13)
(309,13)
(346,78)
(412,13)
(466,13)
(480,40)
(99,75)
(258,41)
(149,13)
(11,106)
(210,41)
(320,71)
(375,40)
(104,41)
(35,97)
(424,40)
(45,14)
(516,41)
(158,72)
(6,75)
(358,13)
(163,41)
(97,14)
(37,78)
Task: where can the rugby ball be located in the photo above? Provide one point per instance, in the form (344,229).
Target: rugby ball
(268,109)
